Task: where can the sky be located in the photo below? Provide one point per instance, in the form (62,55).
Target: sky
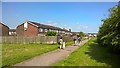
(77,16)
(60,0)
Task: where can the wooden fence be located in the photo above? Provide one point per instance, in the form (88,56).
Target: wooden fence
(65,38)
(37,39)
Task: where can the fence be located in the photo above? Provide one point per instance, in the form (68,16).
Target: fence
(66,38)
(37,39)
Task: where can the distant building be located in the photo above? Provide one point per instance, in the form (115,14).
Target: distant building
(12,32)
(36,29)
(92,34)
(75,33)
(4,30)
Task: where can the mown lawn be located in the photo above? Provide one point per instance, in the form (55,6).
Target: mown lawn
(90,54)
(0,55)
(69,43)
(15,53)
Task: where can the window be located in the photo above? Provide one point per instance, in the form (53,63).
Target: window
(40,30)
(41,34)
(25,26)
(10,33)
(46,30)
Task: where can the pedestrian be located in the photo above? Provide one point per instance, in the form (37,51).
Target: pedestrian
(74,39)
(88,37)
(79,40)
(61,42)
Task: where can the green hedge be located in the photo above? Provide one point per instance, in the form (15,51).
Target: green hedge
(109,31)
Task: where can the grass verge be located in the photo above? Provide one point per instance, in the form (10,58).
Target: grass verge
(15,53)
(69,43)
(90,54)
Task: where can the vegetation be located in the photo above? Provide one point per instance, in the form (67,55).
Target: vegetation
(109,31)
(84,38)
(90,54)
(69,43)
(15,53)
(51,33)
(0,55)
(81,34)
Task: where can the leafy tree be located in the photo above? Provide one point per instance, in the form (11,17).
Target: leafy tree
(109,31)
(51,33)
(81,34)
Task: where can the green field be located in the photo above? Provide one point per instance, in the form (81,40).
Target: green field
(15,53)
(90,54)
(0,60)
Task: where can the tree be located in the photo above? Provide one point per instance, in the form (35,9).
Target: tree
(81,34)
(51,33)
(109,31)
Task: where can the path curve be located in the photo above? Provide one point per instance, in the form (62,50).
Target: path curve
(51,57)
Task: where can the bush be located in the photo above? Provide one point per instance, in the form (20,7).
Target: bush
(51,33)
(81,34)
(109,31)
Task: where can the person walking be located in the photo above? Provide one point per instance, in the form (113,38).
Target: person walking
(88,38)
(79,40)
(61,43)
(74,39)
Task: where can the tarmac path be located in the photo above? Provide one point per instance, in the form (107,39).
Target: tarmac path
(51,57)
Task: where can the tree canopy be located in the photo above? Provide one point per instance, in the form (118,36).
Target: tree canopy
(81,34)
(51,33)
(109,31)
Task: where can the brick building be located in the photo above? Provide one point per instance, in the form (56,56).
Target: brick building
(36,29)
(4,30)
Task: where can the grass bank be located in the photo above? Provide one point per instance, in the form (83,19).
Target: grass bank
(15,53)
(90,54)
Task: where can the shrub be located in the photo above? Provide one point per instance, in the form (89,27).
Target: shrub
(51,33)
(109,31)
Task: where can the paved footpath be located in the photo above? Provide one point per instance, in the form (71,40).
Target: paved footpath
(51,57)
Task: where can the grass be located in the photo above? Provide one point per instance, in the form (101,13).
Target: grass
(15,53)
(90,54)
(84,38)
(69,43)
(0,55)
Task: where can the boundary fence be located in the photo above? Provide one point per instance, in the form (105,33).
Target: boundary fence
(36,39)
